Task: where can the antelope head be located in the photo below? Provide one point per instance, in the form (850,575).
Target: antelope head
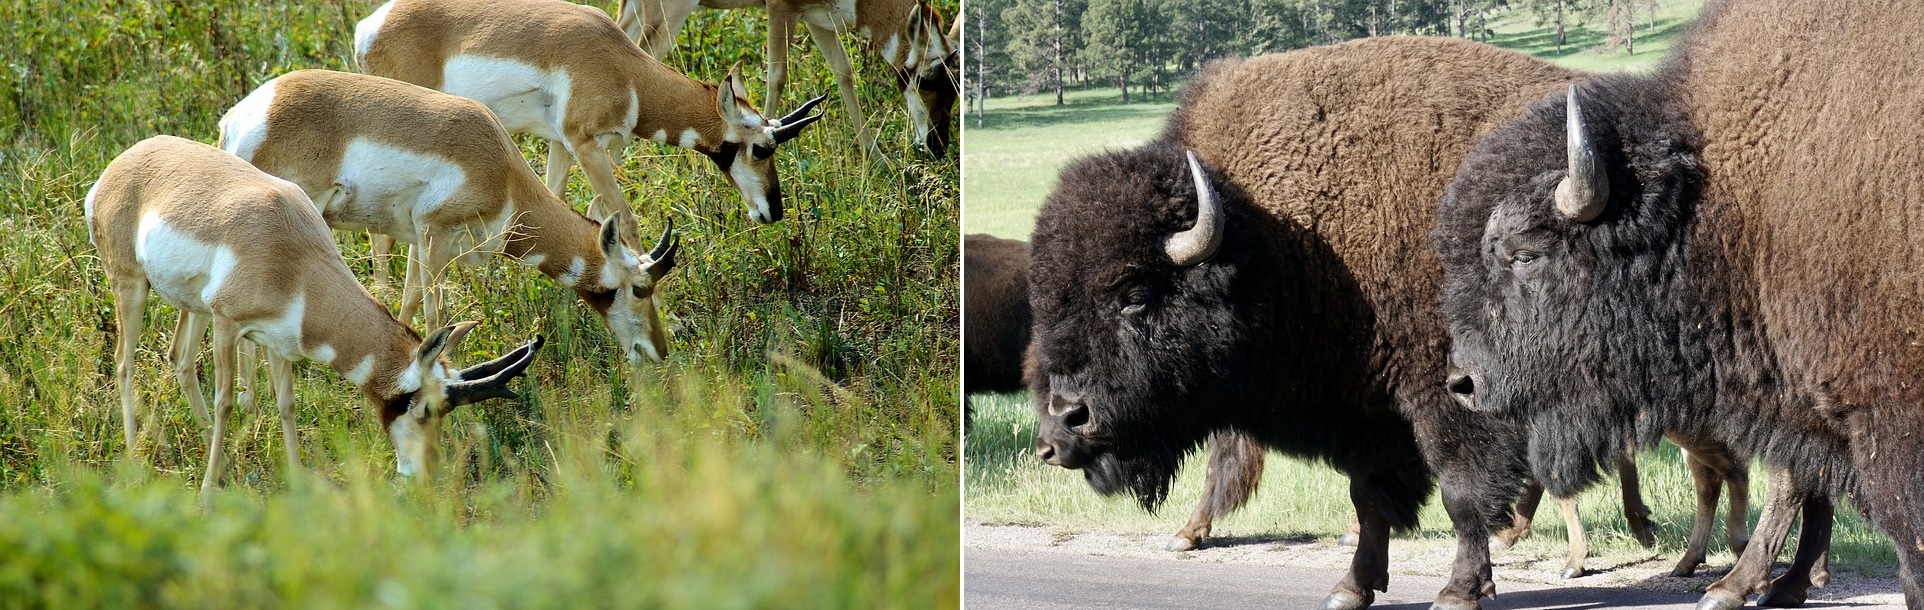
(928,78)
(627,298)
(432,388)
(747,152)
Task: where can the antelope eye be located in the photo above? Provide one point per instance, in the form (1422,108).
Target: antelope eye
(638,292)
(761,152)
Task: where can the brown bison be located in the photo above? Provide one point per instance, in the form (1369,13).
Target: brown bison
(1728,248)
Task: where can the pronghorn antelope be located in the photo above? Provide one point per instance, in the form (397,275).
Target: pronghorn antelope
(436,171)
(564,72)
(907,34)
(232,246)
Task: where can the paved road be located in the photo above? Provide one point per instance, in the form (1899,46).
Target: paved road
(998,579)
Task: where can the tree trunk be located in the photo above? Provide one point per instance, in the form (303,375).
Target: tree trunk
(1559,27)
(1056,62)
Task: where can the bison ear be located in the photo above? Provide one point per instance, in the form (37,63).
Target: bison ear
(1192,246)
(1585,189)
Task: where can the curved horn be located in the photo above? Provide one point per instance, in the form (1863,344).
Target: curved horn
(804,110)
(662,259)
(475,387)
(1584,190)
(788,131)
(1192,246)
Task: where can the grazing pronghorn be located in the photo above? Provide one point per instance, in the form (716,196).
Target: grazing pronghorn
(228,244)
(564,72)
(436,171)
(907,34)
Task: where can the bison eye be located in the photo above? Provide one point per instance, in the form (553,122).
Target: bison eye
(1523,257)
(1132,309)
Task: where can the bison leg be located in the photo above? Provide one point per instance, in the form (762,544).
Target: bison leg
(1709,484)
(1369,568)
(1634,510)
(1579,544)
(1235,469)
(1470,578)
(1521,518)
(1352,537)
(1813,546)
(1766,541)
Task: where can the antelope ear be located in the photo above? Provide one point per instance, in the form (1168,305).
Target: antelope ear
(611,238)
(440,341)
(725,96)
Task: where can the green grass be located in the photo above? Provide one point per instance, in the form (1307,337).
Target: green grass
(1583,47)
(799,447)
(1010,163)
(1303,500)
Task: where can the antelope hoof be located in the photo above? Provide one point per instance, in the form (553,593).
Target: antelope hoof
(1349,539)
(1569,573)
(1180,543)
(1719,600)
(1345,600)
(1783,597)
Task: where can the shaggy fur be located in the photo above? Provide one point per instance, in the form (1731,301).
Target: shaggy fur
(1314,329)
(1756,276)
(995,313)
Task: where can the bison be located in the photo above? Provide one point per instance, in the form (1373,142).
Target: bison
(1728,248)
(1289,298)
(1287,294)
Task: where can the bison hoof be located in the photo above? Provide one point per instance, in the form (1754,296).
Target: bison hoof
(1179,544)
(1719,600)
(1572,573)
(1785,597)
(1455,603)
(1344,600)
(1349,539)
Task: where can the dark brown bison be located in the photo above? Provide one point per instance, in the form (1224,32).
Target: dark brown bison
(1287,294)
(1728,248)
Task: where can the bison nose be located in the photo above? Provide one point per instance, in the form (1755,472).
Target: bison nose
(1462,387)
(1046,452)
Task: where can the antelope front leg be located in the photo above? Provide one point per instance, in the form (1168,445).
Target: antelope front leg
(601,175)
(781,26)
(434,254)
(281,370)
(831,47)
(379,247)
(225,333)
(559,162)
(411,286)
(130,310)
(1579,544)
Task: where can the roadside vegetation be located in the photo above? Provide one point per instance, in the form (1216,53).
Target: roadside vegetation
(798,447)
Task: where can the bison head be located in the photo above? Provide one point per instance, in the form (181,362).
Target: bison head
(1560,239)
(1144,309)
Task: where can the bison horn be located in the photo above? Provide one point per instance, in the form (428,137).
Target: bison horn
(1192,246)
(1584,190)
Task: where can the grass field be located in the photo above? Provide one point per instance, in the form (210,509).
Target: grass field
(1010,165)
(798,447)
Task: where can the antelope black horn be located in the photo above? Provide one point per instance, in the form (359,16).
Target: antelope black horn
(803,111)
(494,385)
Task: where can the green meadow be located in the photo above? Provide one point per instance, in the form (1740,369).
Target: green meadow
(1011,163)
(798,447)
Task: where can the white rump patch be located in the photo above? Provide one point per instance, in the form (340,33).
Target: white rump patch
(244,126)
(178,266)
(366,31)
(91,191)
(393,182)
(526,99)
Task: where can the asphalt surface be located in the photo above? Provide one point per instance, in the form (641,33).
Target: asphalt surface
(997,579)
